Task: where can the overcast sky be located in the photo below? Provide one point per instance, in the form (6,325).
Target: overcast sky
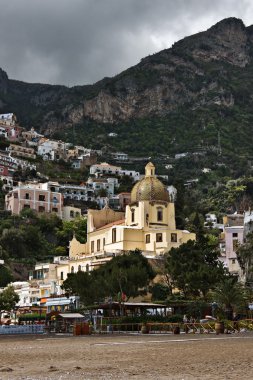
(76,42)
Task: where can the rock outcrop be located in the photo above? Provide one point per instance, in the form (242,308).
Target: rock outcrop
(195,72)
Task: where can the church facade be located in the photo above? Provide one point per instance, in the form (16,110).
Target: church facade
(148,224)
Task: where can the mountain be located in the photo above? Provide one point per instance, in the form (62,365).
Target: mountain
(177,99)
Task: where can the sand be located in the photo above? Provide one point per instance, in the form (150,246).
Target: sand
(125,357)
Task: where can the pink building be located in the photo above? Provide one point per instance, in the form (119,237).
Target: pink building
(4,171)
(233,237)
(34,196)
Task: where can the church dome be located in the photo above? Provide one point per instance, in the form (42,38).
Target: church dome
(149,188)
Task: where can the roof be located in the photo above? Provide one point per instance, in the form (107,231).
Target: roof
(117,222)
(71,315)
(130,305)
(6,116)
(106,165)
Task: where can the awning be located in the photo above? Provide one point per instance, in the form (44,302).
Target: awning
(71,315)
(58,302)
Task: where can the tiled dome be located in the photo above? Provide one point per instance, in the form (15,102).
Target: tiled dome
(149,188)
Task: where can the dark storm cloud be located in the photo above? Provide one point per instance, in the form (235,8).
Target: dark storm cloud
(81,41)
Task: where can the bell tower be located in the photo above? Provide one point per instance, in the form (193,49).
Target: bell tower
(150,170)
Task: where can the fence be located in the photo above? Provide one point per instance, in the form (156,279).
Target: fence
(21,329)
(174,328)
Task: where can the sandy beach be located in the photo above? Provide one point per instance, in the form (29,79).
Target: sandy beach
(122,357)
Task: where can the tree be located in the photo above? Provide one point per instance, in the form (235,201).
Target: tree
(160,292)
(5,276)
(8,299)
(229,294)
(128,274)
(69,228)
(194,267)
(84,285)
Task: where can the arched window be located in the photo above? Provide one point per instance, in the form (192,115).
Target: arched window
(132,215)
(72,269)
(159,214)
(114,235)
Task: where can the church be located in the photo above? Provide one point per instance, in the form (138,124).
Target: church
(148,224)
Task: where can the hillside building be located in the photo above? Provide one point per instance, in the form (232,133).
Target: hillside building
(52,150)
(35,196)
(21,151)
(106,169)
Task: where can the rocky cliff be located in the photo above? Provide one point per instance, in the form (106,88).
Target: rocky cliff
(196,72)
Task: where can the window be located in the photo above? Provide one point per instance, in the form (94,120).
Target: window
(235,234)
(55,209)
(159,214)
(132,215)
(87,268)
(71,214)
(147,238)
(77,214)
(15,195)
(41,198)
(27,196)
(103,242)
(92,246)
(159,238)
(114,235)
(233,261)
(41,209)
(27,206)
(79,268)
(61,275)
(72,269)
(173,238)
(235,244)
(98,245)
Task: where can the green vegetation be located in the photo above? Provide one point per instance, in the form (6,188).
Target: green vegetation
(8,299)
(194,268)
(31,237)
(5,276)
(122,277)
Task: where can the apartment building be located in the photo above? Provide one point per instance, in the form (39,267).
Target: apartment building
(35,196)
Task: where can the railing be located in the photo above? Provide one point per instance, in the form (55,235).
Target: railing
(173,328)
(21,329)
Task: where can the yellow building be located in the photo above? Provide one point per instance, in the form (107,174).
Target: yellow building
(148,224)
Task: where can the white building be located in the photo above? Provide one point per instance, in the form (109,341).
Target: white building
(52,149)
(78,192)
(120,156)
(8,119)
(106,169)
(107,184)
(28,293)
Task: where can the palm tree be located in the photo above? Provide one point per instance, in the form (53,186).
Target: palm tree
(229,294)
